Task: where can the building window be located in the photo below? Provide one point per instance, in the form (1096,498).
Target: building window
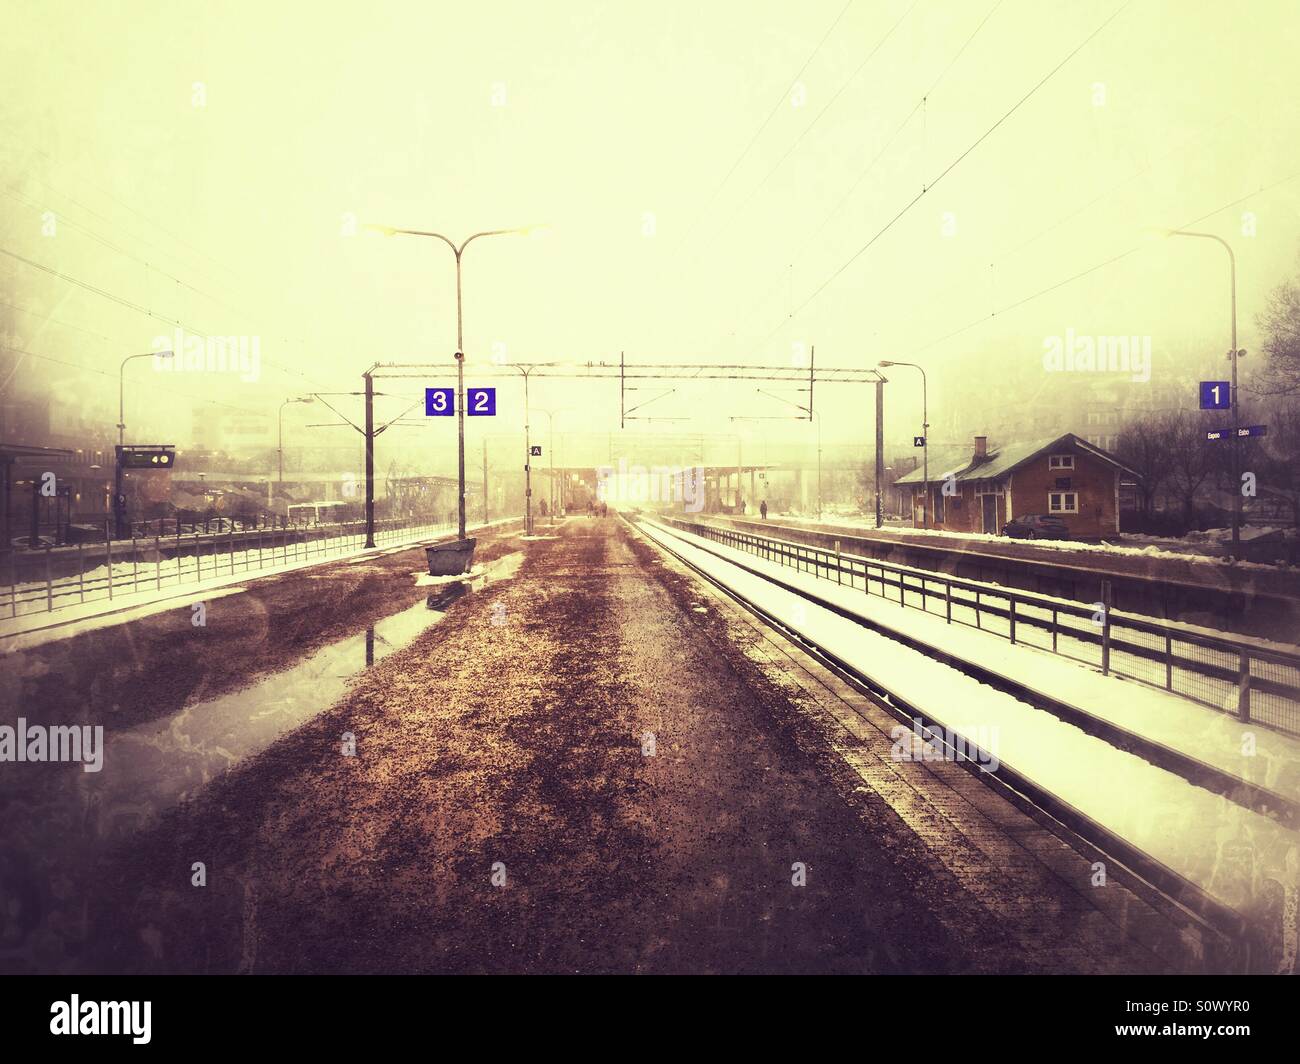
(1060,461)
(1063,502)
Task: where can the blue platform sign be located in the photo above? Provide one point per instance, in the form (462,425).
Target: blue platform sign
(918,441)
(1240,432)
(1216,395)
(481,402)
(439,402)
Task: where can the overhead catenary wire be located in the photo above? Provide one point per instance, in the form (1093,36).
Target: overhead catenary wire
(983,319)
(878,156)
(138,307)
(826,107)
(929,186)
(772,113)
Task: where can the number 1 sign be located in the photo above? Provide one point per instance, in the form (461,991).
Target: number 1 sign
(1216,395)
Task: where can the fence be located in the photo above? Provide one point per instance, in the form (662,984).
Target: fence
(45,580)
(1257,684)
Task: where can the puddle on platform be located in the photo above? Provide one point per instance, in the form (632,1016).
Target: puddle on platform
(57,818)
(160,763)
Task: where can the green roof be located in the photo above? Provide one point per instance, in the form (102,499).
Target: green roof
(1009,458)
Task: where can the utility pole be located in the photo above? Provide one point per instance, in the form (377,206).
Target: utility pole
(370,459)
(485,483)
(880,450)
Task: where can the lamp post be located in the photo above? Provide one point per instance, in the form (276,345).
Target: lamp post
(550,423)
(925,438)
(528,450)
(119,502)
(279,450)
(458,251)
(1233,355)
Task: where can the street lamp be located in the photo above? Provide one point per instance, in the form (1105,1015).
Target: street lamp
(119,508)
(550,422)
(460,345)
(279,450)
(1233,355)
(528,454)
(925,438)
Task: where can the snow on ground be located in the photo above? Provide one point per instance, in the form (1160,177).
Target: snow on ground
(91,616)
(1072,641)
(173,581)
(1216,738)
(1202,836)
(1129,544)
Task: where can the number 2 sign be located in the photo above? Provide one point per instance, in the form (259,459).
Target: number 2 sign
(481,402)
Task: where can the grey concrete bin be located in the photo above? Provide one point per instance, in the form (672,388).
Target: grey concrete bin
(451,559)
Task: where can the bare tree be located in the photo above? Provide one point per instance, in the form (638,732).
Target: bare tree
(1278,459)
(1193,459)
(1146,446)
(1280,324)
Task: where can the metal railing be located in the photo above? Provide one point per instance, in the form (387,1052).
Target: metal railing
(46,580)
(1225,672)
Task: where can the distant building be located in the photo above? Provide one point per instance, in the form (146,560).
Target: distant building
(1065,476)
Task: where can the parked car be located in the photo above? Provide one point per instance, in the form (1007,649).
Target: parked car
(1036,526)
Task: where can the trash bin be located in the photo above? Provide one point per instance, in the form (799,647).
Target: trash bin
(451,559)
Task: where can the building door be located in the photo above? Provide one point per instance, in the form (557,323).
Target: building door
(990,505)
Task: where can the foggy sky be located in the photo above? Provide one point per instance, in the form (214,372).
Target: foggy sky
(616,125)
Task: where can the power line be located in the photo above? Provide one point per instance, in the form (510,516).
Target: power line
(57,321)
(775,108)
(109,373)
(121,203)
(808,128)
(871,165)
(952,165)
(919,104)
(139,308)
(161,228)
(1100,265)
(106,242)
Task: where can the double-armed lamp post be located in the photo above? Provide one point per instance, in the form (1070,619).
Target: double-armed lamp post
(458,251)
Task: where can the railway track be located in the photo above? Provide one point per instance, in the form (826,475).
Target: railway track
(1083,832)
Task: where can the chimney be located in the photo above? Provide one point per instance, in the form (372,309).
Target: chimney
(981,448)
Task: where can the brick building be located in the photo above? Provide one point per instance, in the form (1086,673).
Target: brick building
(1065,476)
